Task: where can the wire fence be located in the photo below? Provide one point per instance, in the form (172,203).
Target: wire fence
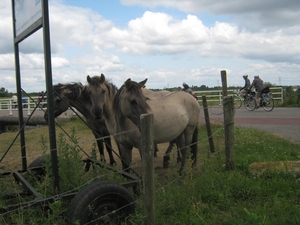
(136,164)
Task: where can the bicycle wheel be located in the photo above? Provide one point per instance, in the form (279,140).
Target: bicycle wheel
(237,103)
(268,102)
(250,103)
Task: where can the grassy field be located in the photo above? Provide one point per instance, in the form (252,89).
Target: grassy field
(208,195)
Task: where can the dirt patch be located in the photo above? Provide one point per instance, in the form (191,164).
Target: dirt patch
(158,161)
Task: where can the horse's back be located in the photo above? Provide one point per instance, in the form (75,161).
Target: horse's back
(174,103)
(174,114)
(155,94)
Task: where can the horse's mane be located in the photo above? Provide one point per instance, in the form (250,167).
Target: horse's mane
(117,99)
(135,89)
(75,87)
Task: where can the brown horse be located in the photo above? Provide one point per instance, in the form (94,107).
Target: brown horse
(66,95)
(177,119)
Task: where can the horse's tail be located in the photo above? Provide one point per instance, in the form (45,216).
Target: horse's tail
(194,146)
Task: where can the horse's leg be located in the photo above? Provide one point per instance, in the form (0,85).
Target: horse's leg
(167,154)
(109,150)
(155,150)
(180,142)
(179,159)
(194,147)
(125,156)
(191,139)
(100,146)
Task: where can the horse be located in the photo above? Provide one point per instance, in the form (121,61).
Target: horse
(175,115)
(122,113)
(69,94)
(125,132)
(160,94)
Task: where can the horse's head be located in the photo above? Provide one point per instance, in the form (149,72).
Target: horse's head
(132,102)
(62,94)
(97,91)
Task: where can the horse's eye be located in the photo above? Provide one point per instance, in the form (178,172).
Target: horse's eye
(58,100)
(132,101)
(103,91)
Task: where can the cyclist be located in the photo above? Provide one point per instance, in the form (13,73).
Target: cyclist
(244,90)
(259,86)
(187,89)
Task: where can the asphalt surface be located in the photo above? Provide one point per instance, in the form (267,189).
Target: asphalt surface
(284,122)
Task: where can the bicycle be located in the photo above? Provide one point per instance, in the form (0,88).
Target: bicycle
(266,100)
(248,100)
(238,100)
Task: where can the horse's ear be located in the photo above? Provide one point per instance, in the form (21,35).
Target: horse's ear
(88,78)
(102,78)
(128,83)
(142,83)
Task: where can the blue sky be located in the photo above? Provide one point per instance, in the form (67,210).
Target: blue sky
(168,42)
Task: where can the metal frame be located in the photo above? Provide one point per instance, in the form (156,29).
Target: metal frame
(40,23)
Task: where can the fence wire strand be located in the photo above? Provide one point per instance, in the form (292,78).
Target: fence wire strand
(134,164)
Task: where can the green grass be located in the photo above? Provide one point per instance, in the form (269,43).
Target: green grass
(209,195)
(213,195)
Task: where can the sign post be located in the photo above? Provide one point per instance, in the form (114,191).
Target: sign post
(28,17)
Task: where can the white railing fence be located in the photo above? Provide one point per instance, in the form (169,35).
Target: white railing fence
(28,104)
(215,96)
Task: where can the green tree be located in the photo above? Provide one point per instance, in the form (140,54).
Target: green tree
(289,95)
(268,84)
(3,92)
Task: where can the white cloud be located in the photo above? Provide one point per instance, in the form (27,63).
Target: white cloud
(255,14)
(159,45)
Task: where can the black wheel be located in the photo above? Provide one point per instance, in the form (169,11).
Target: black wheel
(268,102)
(237,103)
(250,103)
(102,202)
(38,165)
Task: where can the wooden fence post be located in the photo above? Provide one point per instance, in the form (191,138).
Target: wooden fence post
(207,122)
(229,131)
(224,82)
(228,111)
(148,167)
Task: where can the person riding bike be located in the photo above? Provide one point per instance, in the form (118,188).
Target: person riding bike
(187,89)
(259,86)
(244,90)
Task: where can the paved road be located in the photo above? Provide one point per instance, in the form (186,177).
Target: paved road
(282,121)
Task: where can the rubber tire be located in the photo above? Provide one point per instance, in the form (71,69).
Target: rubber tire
(110,201)
(40,164)
(237,103)
(270,107)
(252,106)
